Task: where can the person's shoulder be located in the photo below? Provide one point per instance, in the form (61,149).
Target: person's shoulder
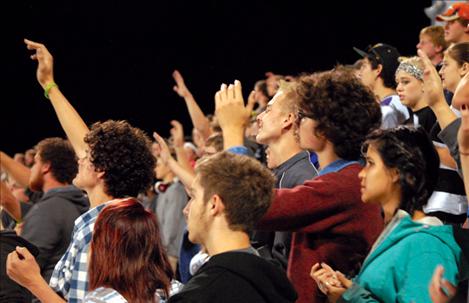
(104,295)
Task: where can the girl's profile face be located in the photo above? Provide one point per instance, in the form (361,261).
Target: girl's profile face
(450,73)
(377,181)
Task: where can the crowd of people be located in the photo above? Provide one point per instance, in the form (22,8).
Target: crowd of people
(345,185)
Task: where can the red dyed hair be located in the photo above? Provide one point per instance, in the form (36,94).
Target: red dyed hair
(127,254)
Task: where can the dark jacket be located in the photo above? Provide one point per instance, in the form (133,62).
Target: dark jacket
(10,291)
(49,224)
(237,277)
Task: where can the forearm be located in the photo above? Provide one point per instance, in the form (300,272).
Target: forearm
(9,203)
(443,113)
(71,122)
(15,169)
(233,136)
(465,171)
(182,158)
(44,293)
(199,120)
(186,176)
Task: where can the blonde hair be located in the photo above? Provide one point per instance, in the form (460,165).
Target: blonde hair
(437,35)
(413,66)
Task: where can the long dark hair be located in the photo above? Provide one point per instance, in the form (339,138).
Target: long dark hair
(127,254)
(411,152)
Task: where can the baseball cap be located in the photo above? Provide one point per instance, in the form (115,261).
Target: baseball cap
(387,56)
(384,54)
(458,10)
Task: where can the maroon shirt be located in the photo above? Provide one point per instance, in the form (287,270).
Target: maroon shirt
(331,224)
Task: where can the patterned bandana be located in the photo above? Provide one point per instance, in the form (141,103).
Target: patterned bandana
(411,69)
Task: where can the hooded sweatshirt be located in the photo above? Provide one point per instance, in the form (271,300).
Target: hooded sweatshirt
(237,277)
(49,224)
(402,263)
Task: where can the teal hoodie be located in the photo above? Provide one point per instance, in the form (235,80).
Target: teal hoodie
(400,267)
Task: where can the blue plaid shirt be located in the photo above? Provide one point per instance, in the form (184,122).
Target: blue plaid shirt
(70,276)
(109,295)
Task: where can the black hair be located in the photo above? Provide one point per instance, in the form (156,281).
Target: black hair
(411,152)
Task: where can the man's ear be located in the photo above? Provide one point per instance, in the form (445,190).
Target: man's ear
(45,167)
(378,70)
(288,120)
(216,206)
(101,175)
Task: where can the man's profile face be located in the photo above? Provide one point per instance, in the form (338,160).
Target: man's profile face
(196,213)
(87,177)
(367,74)
(36,179)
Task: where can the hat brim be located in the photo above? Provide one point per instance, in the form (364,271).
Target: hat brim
(447,18)
(361,53)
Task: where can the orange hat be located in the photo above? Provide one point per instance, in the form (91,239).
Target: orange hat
(455,11)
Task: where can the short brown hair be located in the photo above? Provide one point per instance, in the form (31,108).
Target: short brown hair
(437,35)
(244,185)
(61,157)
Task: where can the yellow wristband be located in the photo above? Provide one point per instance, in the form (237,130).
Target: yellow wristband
(49,86)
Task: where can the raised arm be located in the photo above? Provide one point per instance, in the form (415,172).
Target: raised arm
(177,133)
(15,169)
(434,96)
(231,113)
(199,120)
(9,203)
(186,176)
(71,122)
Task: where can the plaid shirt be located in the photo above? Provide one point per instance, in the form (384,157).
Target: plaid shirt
(109,295)
(70,276)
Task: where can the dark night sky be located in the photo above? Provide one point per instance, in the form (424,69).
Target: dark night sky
(114,59)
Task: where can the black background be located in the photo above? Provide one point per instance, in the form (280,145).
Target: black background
(114,59)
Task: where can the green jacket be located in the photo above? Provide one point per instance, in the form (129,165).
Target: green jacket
(400,267)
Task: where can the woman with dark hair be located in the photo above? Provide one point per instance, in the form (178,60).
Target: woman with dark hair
(127,258)
(400,174)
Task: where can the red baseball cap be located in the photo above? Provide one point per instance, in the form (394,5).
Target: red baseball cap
(458,10)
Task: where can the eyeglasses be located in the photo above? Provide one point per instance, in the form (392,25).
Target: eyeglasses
(301,114)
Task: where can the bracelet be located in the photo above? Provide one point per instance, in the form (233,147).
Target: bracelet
(49,86)
(463,153)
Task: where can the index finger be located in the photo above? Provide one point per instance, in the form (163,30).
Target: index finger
(238,90)
(32,45)
(425,59)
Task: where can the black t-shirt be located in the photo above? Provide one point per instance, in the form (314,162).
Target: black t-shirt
(427,118)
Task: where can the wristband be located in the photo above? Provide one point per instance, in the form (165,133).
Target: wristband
(463,153)
(49,86)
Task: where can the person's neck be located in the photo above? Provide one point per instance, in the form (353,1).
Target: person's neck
(383,92)
(51,184)
(390,207)
(419,105)
(284,148)
(168,178)
(437,59)
(222,240)
(97,196)
(327,155)
(418,214)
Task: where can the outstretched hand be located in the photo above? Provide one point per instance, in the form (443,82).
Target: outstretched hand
(229,107)
(180,87)
(164,152)
(44,73)
(461,94)
(432,86)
